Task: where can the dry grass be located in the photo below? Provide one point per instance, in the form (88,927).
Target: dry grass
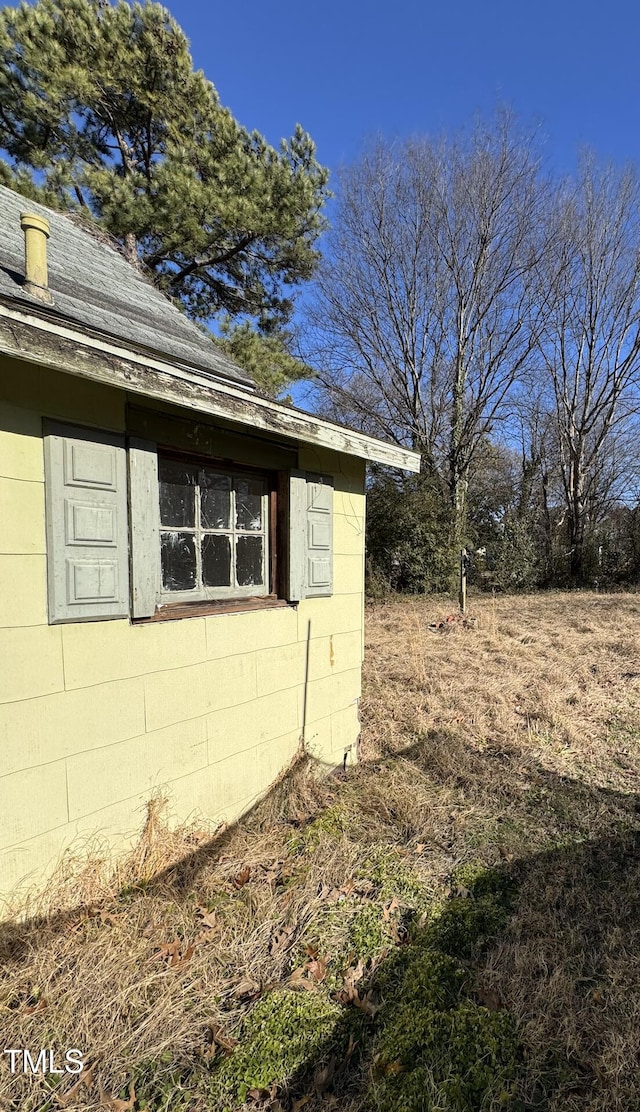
(514,744)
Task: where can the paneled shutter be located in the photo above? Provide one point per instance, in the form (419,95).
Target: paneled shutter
(86,519)
(310,535)
(145,527)
(319,554)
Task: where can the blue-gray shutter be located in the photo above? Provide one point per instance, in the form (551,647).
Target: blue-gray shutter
(145,527)
(310,535)
(86,524)
(319,536)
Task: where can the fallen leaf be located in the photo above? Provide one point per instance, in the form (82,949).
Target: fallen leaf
(330,894)
(86,1077)
(280,940)
(323,1077)
(299,979)
(168,950)
(207,917)
(365,1004)
(298,1104)
(273,872)
(258,1094)
(186,956)
(218,1037)
(174,952)
(389,909)
(248,988)
(353,975)
(39,1007)
(241,878)
(317,968)
(116,1105)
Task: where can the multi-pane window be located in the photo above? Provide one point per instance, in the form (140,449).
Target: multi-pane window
(213,531)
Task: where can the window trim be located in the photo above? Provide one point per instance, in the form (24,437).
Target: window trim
(219,598)
(179,610)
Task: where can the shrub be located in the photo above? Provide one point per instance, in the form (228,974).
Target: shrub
(407,534)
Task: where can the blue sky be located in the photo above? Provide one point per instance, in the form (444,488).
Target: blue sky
(347,69)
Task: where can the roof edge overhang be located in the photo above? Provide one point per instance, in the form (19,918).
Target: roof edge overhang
(26,336)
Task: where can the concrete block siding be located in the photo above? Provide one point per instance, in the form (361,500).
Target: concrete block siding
(95,716)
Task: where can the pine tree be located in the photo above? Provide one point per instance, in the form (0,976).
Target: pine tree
(267,358)
(101,111)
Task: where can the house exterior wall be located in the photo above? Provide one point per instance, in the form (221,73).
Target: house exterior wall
(95,716)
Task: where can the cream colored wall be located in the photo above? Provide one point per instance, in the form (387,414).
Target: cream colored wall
(95,716)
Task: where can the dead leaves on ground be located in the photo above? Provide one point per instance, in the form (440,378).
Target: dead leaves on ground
(313,972)
(350,994)
(176,953)
(116,1105)
(281,941)
(207,918)
(245,989)
(216,1040)
(84,1081)
(242,878)
(105,1099)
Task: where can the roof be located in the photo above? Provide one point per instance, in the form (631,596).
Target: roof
(108,324)
(93,285)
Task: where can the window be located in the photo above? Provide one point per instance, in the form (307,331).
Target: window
(134,530)
(214,530)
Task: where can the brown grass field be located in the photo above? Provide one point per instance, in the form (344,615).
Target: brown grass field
(453,924)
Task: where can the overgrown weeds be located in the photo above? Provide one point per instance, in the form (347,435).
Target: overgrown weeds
(452,925)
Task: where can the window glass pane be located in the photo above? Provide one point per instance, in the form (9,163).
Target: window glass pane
(215,500)
(249,503)
(178,553)
(177,493)
(216,560)
(249,561)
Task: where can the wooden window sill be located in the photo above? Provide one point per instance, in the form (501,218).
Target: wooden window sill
(173,612)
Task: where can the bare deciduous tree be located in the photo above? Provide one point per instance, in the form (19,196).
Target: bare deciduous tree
(589,339)
(422,317)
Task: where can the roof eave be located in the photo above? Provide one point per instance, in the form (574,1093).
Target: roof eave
(25,335)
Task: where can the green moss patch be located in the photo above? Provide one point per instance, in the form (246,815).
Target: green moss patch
(281,1036)
(434,1047)
(392,876)
(368,934)
(464,1059)
(481,902)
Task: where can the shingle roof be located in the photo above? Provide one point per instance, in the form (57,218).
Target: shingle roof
(95,287)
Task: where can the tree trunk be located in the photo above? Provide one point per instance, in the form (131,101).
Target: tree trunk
(131,249)
(458,473)
(577,521)
(547,530)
